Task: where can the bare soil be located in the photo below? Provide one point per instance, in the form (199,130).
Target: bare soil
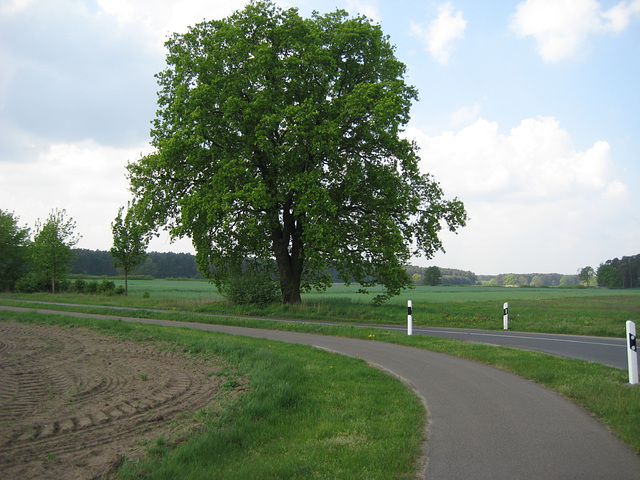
(74,402)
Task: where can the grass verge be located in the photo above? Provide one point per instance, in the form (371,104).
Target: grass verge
(306,414)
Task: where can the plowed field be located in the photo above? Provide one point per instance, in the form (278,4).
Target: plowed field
(73,402)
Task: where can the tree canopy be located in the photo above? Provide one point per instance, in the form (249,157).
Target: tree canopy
(278,141)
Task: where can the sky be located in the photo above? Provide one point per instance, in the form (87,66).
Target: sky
(528,112)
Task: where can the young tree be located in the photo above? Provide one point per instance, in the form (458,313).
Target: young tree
(13,246)
(586,275)
(279,137)
(130,242)
(432,276)
(51,247)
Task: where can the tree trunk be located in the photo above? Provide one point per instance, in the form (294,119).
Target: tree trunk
(290,263)
(53,279)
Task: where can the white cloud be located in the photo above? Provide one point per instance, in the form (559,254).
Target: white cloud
(536,160)
(12,6)
(531,196)
(86,179)
(161,18)
(465,115)
(368,8)
(561,28)
(441,34)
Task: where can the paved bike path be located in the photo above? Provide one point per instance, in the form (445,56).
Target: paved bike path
(484,423)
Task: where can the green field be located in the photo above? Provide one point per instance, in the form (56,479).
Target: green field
(592,311)
(580,311)
(202,290)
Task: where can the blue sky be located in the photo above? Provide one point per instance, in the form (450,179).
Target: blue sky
(528,111)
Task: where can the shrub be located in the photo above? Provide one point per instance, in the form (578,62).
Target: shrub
(79,285)
(32,283)
(91,287)
(107,287)
(252,288)
(119,290)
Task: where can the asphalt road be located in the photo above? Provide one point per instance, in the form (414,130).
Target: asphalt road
(484,423)
(608,351)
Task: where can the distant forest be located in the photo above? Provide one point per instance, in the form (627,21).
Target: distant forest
(156,265)
(628,269)
(452,276)
(183,265)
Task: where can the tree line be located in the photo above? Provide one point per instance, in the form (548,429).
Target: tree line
(45,261)
(450,276)
(616,273)
(156,264)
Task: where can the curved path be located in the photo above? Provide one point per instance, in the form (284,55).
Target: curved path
(484,423)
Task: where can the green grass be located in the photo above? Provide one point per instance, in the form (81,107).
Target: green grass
(579,311)
(307,413)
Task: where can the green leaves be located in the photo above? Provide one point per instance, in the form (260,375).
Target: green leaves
(279,137)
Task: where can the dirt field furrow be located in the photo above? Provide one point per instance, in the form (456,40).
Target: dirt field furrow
(73,402)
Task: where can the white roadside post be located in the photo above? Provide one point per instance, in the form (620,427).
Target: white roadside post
(505,316)
(632,352)
(409,319)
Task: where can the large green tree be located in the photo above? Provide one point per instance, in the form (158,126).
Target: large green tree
(130,242)
(51,248)
(13,247)
(279,138)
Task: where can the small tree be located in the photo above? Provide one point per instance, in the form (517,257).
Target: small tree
(432,276)
(13,246)
(586,275)
(130,242)
(51,248)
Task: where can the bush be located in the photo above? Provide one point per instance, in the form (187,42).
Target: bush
(79,285)
(107,287)
(32,283)
(252,288)
(91,287)
(119,290)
